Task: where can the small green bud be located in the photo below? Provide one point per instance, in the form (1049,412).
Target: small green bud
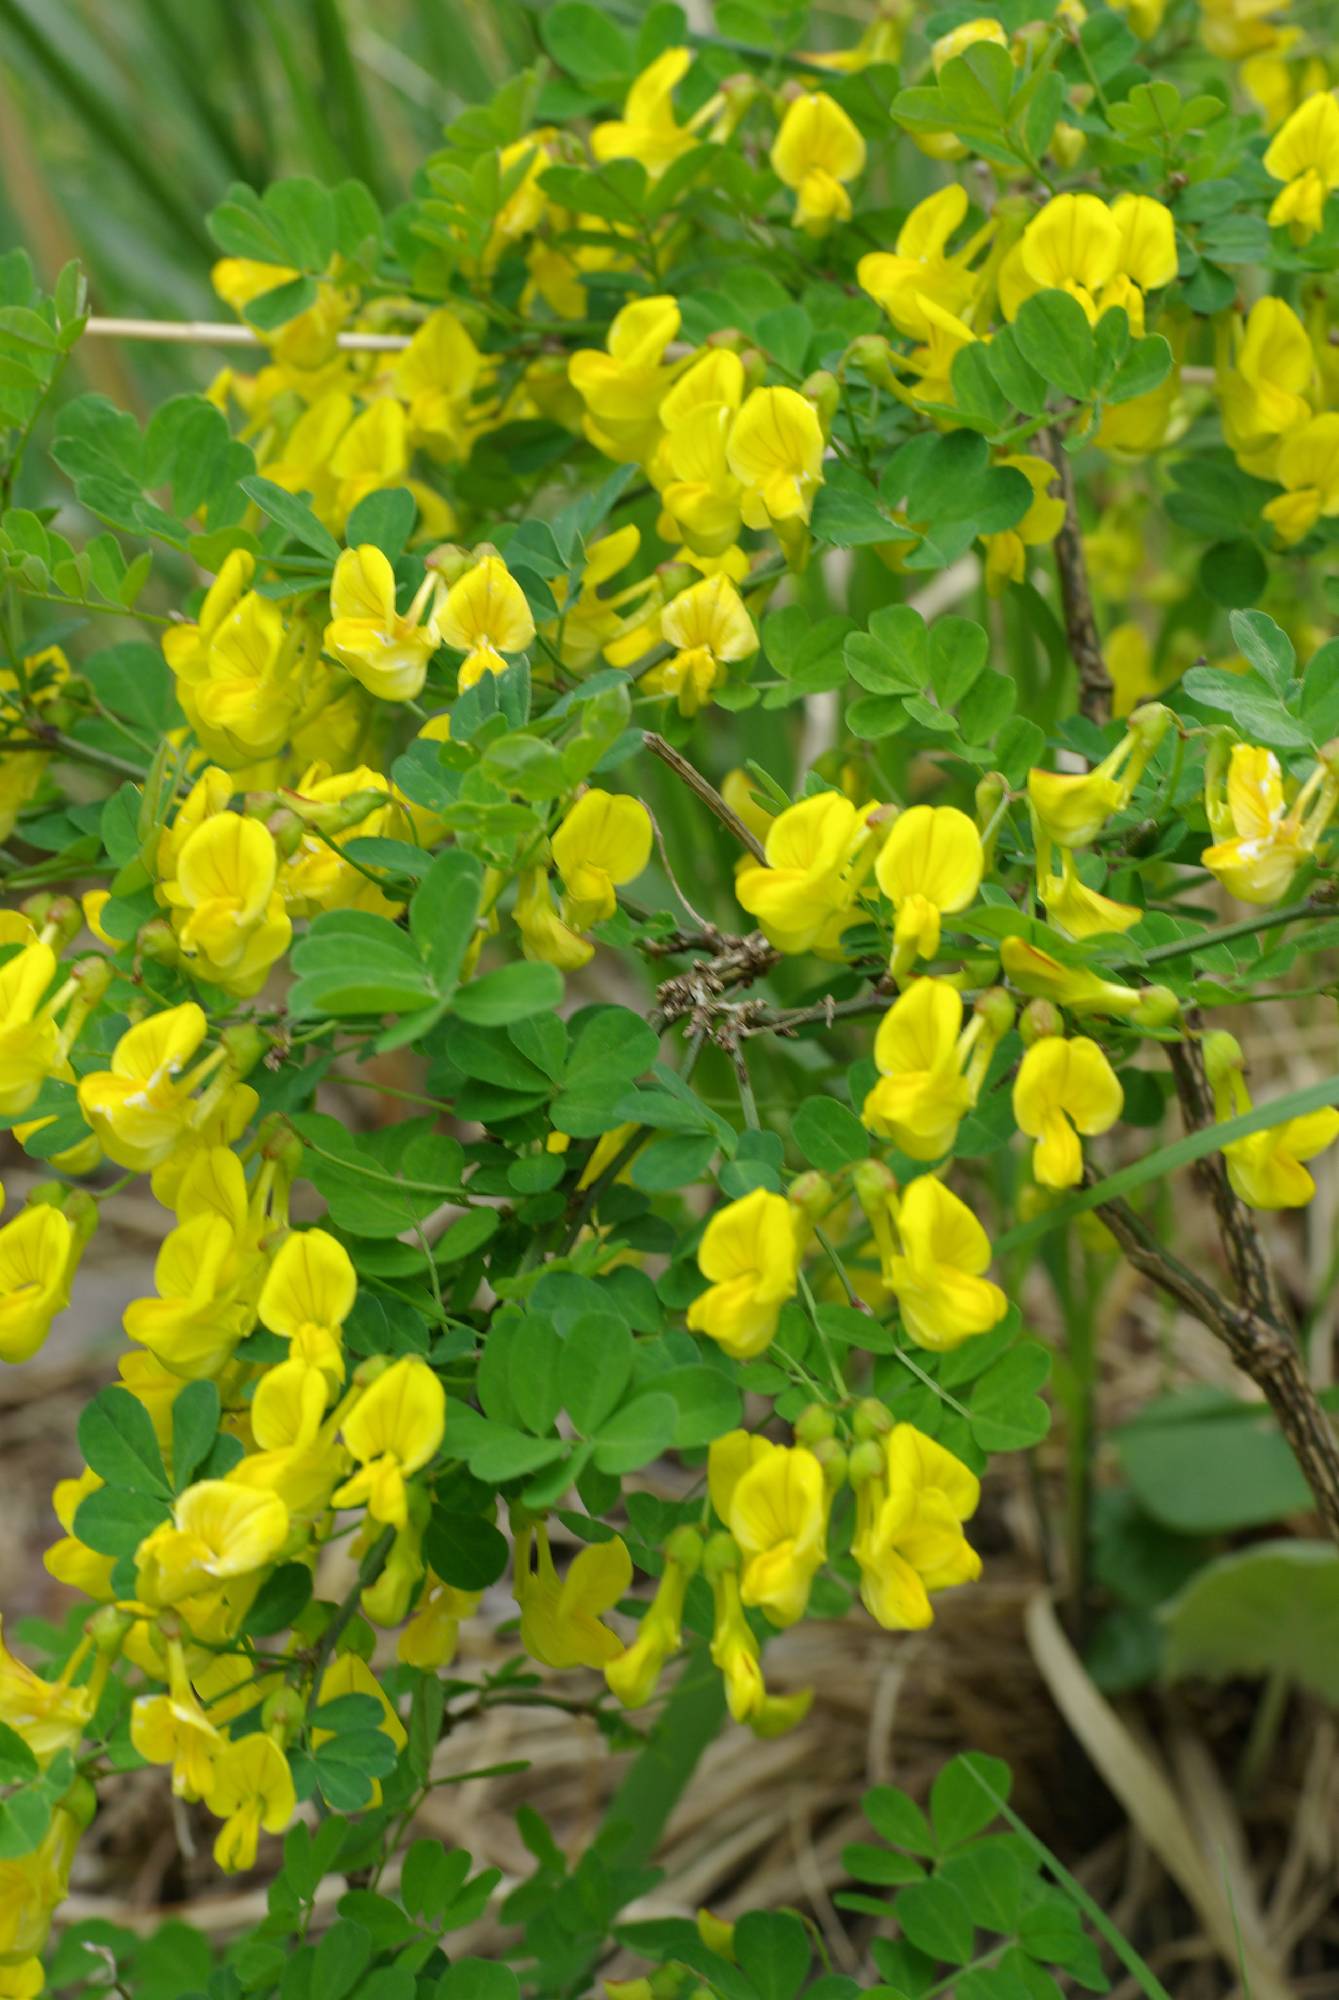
(814,1424)
(283,1713)
(244,1046)
(720,1556)
(1038,1020)
(997,1011)
(823,390)
(872,1183)
(866,1462)
(157,941)
(80,1802)
(108,1628)
(684,1547)
(813,1194)
(1222,1055)
(872,1418)
(832,1457)
(1156,1007)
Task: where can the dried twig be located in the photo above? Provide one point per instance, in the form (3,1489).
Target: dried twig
(708,793)
(1095,689)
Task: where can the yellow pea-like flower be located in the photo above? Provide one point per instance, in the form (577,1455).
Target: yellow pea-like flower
(1304,154)
(710,627)
(561,1618)
(1267,840)
(734,1650)
(1072,807)
(385,650)
(198,1318)
(1264,393)
(775,451)
(936,1274)
(1307,467)
(648,131)
(38,1249)
(430,1637)
(924,1089)
(139,1108)
(604,841)
(817,150)
(920,267)
(1073,245)
(929,867)
(173,1729)
(748,1252)
(623,384)
(778,1514)
(1064,1088)
(1044,977)
(909,1540)
(49,1715)
(485,616)
(252,1789)
(228,915)
(392,1431)
(800,895)
(632,1677)
(308,1293)
(218,1531)
(544,935)
(1266,1169)
(30,1046)
(1079,911)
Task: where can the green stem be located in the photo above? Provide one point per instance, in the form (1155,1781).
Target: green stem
(1268,920)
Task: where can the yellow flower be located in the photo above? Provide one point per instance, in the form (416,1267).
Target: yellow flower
(38,1249)
(1006,557)
(648,130)
(392,1430)
(1038,974)
(778,1512)
(228,914)
(485,615)
(198,1318)
(173,1729)
(30,1045)
(604,840)
(218,1531)
(1266,1169)
(252,1788)
(1307,467)
(48,1715)
(699,492)
(622,387)
(816,150)
(434,378)
(544,935)
(929,867)
(430,1637)
(709,625)
(800,896)
(919,268)
(1064,1088)
(386,651)
(560,1620)
(69,1560)
(1079,911)
(1264,394)
(775,451)
(931,1068)
(31,1888)
(909,1540)
(1129,659)
(1268,840)
(1304,153)
(633,1675)
(1072,245)
(748,1252)
(1072,807)
(308,1293)
(936,1273)
(734,1650)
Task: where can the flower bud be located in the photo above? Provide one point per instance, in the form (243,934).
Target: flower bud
(866,1462)
(872,1184)
(1039,1019)
(870,355)
(449,561)
(872,1418)
(94,975)
(1150,723)
(717,1935)
(684,1547)
(823,390)
(157,941)
(284,1713)
(832,1457)
(286,832)
(814,1424)
(990,794)
(1157,1007)
(813,1194)
(108,1628)
(80,1802)
(243,1046)
(1222,1055)
(279,1142)
(720,1556)
(63,916)
(996,1010)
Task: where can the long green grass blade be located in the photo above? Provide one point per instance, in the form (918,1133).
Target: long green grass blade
(1170,1159)
(105,123)
(346,98)
(168,23)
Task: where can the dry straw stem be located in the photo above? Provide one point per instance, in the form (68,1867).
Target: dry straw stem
(1203,1868)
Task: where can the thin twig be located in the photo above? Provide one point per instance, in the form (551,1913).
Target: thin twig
(226,333)
(1095,688)
(708,794)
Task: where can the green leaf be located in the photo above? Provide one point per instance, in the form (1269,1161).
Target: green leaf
(936,1920)
(280,1601)
(114,1521)
(1267,647)
(118,1443)
(1007,1414)
(847,513)
(478,1979)
(1234,573)
(585,42)
(17,1762)
(1270,1609)
(898,1819)
(511,993)
(774,1952)
(1211,1466)
(465,1550)
(195,1422)
(829,1135)
(1146,367)
(637,1433)
(959,1807)
(706,1399)
(1055,339)
(385,519)
(443,913)
(594,1369)
(293,516)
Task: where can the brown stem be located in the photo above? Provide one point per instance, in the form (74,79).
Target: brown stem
(1095,689)
(708,794)
(1264,1351)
